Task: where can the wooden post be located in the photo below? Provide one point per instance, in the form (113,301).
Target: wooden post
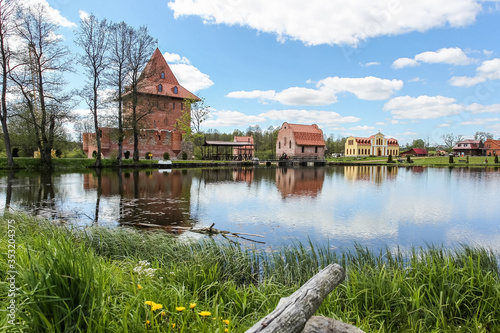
(294,311)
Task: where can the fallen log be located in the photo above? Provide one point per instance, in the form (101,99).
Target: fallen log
(294,311)
(206,230)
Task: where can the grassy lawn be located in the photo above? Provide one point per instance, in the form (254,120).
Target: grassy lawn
(476,161)
(125,280)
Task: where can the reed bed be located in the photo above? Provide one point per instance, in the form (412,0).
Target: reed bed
(124,280)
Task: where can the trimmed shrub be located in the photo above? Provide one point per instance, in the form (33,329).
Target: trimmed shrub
(184,155)
(408,158)
(166,155)
(450,160)
(389,159)
(126,154)
(496,158)
(148,155)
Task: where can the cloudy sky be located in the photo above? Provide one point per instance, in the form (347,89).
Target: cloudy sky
(411,69)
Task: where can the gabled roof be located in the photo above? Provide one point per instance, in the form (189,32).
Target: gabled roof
(420,151)
(151,78)
(307,135)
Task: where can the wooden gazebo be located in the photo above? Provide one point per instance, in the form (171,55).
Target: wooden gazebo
(224,150)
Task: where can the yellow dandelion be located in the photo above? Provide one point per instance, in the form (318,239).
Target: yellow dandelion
(192,305)
(180,308)
(163,314)
(173,325)
(139,286)
(204,313)
(155,307)
(226,330)
(150,303)
(147,322)
(226,321)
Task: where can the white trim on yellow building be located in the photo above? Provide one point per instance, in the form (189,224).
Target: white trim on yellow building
(375,145)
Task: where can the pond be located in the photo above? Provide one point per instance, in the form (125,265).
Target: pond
(374,206)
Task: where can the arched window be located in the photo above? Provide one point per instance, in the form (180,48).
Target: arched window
(160,88)
(162,75)
(175,90)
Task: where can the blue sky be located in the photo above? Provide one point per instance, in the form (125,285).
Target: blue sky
(411,69)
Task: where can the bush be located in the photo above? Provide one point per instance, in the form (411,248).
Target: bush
(450,160)
(166,155)
(467,159)
(184,155)
(408,158)
(496,158)
(58,153)
(389,159)
(75,153)
(126,154)
(148,155)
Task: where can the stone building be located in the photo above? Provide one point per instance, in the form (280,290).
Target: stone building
(160,106)
(375,145)
(300,141)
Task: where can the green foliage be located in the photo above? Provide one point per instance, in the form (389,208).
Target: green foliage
(408,158)
(184,156)
(450,160)
(58,153)
(94,154)
(496,158)
(467,159)
(166,155)
(75,153)
(87,280)
(389,159)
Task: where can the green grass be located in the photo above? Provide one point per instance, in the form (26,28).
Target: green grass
(474,161)
(87,280)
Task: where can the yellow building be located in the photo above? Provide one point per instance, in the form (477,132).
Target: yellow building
(375,145)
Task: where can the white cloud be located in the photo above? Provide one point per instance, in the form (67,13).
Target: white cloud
(423,107)
(53,14)
(362,128)
(443,125)
(416,79)
(380,123)
(83,15)
(450,56)
(189,76)
(404,62)
(367,88)
(481,121)
(331,22)
(322,118)
(479,108)
(369,64)
(231,118)
(488,71)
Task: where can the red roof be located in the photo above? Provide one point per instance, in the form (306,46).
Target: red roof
(156,73)
(420,151)
(307,135)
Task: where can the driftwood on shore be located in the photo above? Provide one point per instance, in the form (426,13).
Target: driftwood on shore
(293,312)
(206,231)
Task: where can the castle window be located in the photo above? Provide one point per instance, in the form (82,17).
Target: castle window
(173,105)
(290,144)
(162,75)
(175,90)
(160,88)
(302,148)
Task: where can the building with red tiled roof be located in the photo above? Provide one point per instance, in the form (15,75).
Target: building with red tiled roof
(469,148)
(415,152)
(491,147)
(245,152)
(160,106)
(375,145)
(299,141)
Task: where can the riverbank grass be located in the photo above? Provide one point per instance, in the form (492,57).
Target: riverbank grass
(125,280)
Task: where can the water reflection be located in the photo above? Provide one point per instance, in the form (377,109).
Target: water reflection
(371,205)
(300,182)
(372,173)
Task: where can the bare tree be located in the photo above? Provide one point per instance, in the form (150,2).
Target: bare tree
(39,76)
(141,46)
(199,113)
(92,37)
(450,140)
(120,40)
(483,136)
(7,13)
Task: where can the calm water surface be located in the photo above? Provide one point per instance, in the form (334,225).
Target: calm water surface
(375,206)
